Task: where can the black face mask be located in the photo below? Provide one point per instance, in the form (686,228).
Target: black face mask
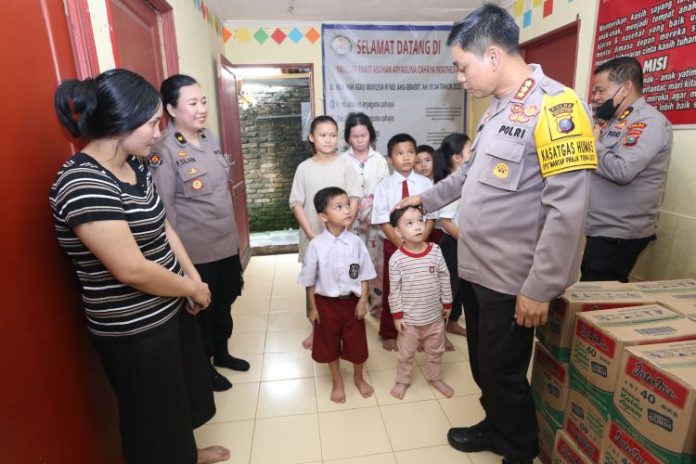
(607,110)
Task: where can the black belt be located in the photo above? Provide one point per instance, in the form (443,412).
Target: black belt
(345,297)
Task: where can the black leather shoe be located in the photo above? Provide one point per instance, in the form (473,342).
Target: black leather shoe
(517,461)
(470,439)
(231,362)
(219,381)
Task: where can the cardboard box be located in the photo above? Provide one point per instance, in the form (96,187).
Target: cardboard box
(585,424)
(655,399)
(598,286)
(557,333)
(565,452)
(550,380)
(663,286)
(619,447)
(682,303)
(601,336)
(547,436)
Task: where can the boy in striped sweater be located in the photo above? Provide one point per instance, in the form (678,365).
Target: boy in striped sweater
(420,299)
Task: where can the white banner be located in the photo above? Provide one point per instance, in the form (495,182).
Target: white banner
(402,77)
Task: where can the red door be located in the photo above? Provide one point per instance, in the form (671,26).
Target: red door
(55,403)
(231,138)
(136,37)
(556,52)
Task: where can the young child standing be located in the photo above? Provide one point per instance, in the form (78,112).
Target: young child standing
(400,184)
(420,299)
(335,272)
(424,161)
(324,169)
(371,168)
(454,151)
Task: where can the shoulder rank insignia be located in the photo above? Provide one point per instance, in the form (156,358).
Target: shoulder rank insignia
(180,139)
(154,160)
(626,112)
(524,89)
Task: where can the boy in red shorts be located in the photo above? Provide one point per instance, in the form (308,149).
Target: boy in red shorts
(336,271)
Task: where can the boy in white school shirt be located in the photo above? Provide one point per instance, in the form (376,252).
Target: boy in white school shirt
(401,150)
(336,270)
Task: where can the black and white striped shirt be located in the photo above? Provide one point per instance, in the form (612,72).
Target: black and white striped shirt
(85,192)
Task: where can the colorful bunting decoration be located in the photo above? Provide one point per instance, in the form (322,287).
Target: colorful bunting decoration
(278,35)
(212,19)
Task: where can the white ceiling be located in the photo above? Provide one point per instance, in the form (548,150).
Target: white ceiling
(384,11)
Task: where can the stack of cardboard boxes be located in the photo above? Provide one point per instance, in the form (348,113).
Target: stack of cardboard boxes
(579,367)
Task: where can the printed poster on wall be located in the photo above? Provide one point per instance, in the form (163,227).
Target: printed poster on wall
(662,36)
(402,77)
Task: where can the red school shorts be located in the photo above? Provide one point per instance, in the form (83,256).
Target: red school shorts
(339,333)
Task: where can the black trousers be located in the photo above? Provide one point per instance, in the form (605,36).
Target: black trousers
(499,353)
(607,258)
(162,383)
(224,278)
(448,244)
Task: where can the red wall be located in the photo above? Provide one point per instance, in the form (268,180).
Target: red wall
(55,403)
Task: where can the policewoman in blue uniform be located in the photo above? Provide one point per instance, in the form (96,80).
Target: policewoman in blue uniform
(191,175)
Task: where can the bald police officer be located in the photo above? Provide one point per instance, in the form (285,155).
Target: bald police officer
(521,218)
(634,142)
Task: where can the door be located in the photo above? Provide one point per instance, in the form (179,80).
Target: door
(231,138)
(55,403)
(556,52)
(136,37)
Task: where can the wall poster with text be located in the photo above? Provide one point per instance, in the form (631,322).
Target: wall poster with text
(661,34)
(402,77)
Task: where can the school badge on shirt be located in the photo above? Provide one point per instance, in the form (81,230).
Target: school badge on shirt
(353,270)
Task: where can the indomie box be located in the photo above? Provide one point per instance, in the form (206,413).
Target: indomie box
(682,303)
(585,424)
(655,399)
(601,336)
(557,333)
(547,435)
(550,382)
(565,452)
(663,286)
(596,286)
(619,447)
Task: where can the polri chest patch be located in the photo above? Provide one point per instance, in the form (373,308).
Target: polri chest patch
(354,270)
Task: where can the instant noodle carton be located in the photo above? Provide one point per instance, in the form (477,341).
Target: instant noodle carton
(656,287)
(682,303)
(585,424)
(655,400)
(557,333)
(565,451)
(598,286)
(620,447)
(601,336)
(547,435)
(550,380)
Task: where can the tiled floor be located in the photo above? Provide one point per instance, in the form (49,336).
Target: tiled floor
(279,411)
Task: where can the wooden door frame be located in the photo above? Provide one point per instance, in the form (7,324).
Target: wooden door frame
(550,36)
(84,46)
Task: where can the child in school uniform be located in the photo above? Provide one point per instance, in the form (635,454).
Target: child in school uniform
(335,271)
(420,298)
(454,151)
(400,184)
(426,166)
(324,169)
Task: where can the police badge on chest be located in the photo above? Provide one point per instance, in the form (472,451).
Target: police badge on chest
(353,270)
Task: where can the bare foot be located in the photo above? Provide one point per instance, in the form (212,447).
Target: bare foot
(443,388)
(307,342)
(449,346)
(213,454)
(399,390)
(389,344)
(364,388)
(454,328)
(338,393)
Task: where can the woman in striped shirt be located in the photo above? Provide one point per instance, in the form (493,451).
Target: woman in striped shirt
(134,272)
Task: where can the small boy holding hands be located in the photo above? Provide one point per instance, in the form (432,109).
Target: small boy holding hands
(335,271)
(420,299)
